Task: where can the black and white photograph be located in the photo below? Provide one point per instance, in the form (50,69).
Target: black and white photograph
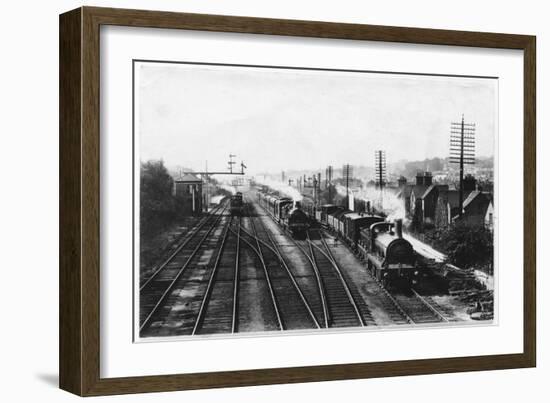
(274,200)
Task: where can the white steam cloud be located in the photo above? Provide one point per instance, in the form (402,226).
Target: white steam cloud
(384,201)
(283,188)
(230,189)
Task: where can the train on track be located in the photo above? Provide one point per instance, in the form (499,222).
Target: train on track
(389,257)
(236,205)
(286,213)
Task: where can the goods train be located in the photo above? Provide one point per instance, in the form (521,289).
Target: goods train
(236,206)
(380,243)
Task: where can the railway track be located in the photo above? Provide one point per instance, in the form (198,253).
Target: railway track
(180,243)
(294,309)
(444,312)
(347,307)
(235,290)
(218,309)
(418,309)
(402,308)
(313,289)
(340,304)
(157,290)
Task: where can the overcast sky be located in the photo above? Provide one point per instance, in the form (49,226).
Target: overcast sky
(281,119)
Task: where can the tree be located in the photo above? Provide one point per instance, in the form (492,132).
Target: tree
(468,246)
(157,205)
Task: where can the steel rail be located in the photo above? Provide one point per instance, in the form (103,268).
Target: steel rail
(388,294)
(236,280)
(289,272)
(267,276)
(320,285)
(183,244)
(180,272)
(208,292)
(433,309)
(340,275)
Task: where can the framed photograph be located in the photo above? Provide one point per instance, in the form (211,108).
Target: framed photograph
(249,201)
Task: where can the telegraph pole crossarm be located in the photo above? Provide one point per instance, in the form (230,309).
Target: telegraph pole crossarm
(462,152)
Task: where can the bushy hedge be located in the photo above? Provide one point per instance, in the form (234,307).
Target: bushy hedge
(469,246)
(157,204)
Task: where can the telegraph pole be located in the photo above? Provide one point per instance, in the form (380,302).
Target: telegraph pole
(380,173)
(462,152)
(207,180)
(380,168)
(329,180)
(319,188)
(347,173)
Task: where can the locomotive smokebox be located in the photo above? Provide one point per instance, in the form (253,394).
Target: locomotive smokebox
(399,228)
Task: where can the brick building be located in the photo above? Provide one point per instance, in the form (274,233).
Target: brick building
(188,191)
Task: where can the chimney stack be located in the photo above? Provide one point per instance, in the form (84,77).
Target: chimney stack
(419,179)
(427,178)
(399,228)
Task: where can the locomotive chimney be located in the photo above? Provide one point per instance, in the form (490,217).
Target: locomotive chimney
(399,228)
(367,206)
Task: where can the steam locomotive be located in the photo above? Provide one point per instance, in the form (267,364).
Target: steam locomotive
(389,256)
(286,212)
(236,206)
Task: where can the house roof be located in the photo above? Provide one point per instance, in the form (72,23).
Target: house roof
(188,178)
(486,199)
(452,198)
(419,190)
(405,192)
(470,198)
(428,191)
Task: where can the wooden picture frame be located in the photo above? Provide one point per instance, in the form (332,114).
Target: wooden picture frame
(79,348)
